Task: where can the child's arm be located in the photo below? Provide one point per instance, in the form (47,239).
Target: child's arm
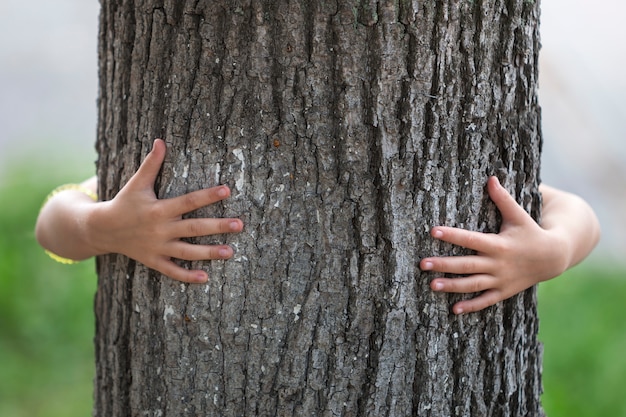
(135,223)
(522,254)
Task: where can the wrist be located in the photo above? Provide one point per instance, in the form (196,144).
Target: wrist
(94,228)
(561,253)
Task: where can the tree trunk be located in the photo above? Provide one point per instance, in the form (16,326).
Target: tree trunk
(346,130)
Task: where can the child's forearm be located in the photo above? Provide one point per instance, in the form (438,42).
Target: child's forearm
(573,219)
(62,223)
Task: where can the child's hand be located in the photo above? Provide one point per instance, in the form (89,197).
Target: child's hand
(520,256)
(137,224)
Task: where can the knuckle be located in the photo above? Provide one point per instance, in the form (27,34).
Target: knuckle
(467,266)
(194,229)
(502,246)
(155,211)
(184,252)
(474,240)
(475,286)
(153,235)
(202,198)
(192,201)
(470,240)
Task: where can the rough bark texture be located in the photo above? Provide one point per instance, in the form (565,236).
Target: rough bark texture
(346,129)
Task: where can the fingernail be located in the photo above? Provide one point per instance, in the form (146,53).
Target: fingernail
(234,225)
(438,234)
(222,192)
(458,310)
(438,286)
(224,253)
(200,277)
(428,265)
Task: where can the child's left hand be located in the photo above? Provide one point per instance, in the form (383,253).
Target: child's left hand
(521,255)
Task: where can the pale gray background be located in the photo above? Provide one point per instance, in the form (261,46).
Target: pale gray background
(48,90)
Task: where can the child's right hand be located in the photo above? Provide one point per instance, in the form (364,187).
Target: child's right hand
(522,254)
(137,224)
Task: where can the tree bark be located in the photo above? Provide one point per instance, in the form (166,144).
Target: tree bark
(346,130)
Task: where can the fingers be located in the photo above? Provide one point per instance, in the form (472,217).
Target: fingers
(483,271)
(169,268)
(204,227)
(462,265)
(480,242)
(475,284)
(149,168)
(511,211)
(190,252)
(484,300)
(178,206)
(509,208)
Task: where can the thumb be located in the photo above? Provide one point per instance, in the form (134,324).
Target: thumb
(511,211)
(149,168)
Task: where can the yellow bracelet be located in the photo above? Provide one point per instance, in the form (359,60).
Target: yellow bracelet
(74,187)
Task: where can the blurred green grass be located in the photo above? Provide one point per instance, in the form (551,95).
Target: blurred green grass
(47,322)
(583,329)
(46,309)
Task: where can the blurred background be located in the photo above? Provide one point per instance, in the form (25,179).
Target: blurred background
(48,90)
